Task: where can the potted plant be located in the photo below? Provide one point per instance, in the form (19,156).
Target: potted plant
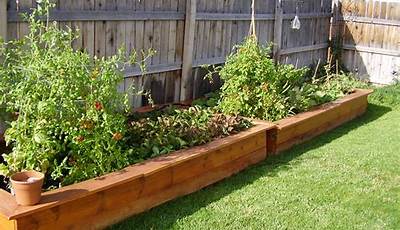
(27,187)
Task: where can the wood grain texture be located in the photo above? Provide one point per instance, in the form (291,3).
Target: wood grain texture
(371,45)
(187,65)
(304,126)
(7,224)
(94,204)
(3,19)
(107,25)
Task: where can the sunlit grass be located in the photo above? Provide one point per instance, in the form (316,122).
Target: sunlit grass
(346,179)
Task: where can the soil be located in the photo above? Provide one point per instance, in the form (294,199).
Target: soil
(3,149)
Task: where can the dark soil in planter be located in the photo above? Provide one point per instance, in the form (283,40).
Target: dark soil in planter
(3,149)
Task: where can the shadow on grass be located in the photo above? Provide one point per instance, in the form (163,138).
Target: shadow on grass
(166,215)
(280,162)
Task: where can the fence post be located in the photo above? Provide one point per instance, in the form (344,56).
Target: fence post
(278,30)
(187,65)
(334,32)
(3,19)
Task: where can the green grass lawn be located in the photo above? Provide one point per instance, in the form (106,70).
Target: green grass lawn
(346,179)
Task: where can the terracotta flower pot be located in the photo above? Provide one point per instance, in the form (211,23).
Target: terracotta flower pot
(27,187)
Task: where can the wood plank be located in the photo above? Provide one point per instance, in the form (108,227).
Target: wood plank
(211,7)
(23,27)
(100,31)
(3,19)
(152,69)
(278,30)
(111,31)
(190,25)
(103,15)
(76,25)
(76,191)
(395,53)
(368,20)
(6,224)
(126,15)
(148,44)
(172,35)
(302,127)
(109,210)
(139,46)
(218,32)
(302,49)
(88,30)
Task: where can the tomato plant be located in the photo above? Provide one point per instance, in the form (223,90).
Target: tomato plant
(71,119)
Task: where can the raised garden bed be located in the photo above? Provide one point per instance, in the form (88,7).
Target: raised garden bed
(304,126)
(106,200)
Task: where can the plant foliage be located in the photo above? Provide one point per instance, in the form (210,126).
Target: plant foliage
(69,117)
(70,121)
(159,133)
(254,86)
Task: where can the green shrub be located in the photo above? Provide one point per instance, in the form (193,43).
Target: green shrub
(254,86)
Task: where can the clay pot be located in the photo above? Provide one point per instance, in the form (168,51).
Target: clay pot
(27,187)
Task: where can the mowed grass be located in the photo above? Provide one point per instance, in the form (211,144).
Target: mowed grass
(348,178)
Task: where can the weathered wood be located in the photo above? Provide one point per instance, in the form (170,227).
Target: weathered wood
(3,19)
(304,49)
(126,15)
(278,30)
(103,15)
(370,41)
(106,25)
(374,21)
(386,52)
(190,25)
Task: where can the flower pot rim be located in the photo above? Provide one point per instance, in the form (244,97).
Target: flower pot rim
(40,177)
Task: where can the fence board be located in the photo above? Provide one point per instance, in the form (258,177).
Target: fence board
(371,45)
(107,25)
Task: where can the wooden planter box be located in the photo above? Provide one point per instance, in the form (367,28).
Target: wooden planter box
(103,201)
(304,126)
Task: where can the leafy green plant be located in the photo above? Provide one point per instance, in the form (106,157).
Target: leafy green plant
(159,133)
(69,116)
(254,86)
(70,122)
(209,100)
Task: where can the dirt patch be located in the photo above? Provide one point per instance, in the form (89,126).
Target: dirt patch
(3,149)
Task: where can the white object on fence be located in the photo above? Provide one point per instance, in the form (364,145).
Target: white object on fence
(296,23)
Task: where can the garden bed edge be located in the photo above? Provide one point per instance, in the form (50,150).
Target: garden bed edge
(158,180)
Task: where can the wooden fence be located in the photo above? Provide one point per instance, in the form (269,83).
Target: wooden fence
(186,35)
(370,32)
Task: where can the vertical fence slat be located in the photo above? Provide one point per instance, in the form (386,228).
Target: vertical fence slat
(369,45)
(187,65)
(278,29)
(180,42)
(3,19)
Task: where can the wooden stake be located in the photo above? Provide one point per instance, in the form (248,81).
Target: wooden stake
(187,76)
